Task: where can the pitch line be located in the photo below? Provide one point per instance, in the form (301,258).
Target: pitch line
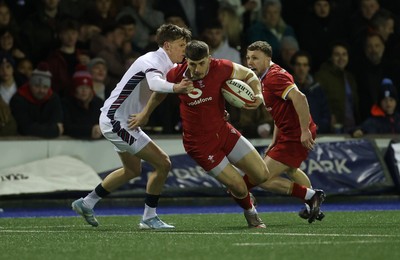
(160,232)
(314,243)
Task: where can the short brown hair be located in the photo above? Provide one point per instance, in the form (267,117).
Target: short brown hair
(197,50)
(261,46)
(171,32)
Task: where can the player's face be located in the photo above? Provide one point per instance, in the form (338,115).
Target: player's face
(199,68)
(257,61)
(175,50)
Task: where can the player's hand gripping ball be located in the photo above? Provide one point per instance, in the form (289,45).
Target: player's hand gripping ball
(237,93)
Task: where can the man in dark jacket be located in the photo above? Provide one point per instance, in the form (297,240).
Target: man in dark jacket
(36,108)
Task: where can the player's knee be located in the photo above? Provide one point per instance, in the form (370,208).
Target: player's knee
(163,165)
(131,173)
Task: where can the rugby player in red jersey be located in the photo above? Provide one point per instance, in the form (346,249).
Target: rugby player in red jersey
(294,132)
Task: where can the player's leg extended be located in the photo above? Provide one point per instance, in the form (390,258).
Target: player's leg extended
(159,160)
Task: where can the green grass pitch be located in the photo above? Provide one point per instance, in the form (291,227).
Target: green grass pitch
(341,235)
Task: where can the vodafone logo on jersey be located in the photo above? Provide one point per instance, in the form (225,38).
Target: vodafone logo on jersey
(196,93)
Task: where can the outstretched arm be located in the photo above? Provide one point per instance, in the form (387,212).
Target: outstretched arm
(141,119)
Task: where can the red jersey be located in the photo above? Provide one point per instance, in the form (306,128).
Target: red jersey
(202,110)
(276,85)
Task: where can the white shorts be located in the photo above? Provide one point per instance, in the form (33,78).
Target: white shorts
(124,139)
(240,150)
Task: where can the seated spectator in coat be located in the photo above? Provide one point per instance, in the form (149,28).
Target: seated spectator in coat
(317,101)
(289,46)
(384,117)
(340,87)
(36,108)
(82,108)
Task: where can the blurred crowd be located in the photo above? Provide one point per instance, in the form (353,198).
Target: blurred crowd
(60,59)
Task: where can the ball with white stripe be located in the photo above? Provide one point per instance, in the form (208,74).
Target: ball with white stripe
(237,93)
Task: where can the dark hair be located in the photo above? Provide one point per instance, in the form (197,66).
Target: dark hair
(197,50)
(261,46)
(380,17)
(301,53)
(171,32)
(126,20)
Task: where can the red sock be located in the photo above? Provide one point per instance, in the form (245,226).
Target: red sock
(248,183)
(299,191)
(245,203)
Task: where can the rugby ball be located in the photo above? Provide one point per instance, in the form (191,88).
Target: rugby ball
(237,93)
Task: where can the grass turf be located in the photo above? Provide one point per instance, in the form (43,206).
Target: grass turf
(341,235)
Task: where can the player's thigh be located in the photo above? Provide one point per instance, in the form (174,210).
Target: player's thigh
(275,168)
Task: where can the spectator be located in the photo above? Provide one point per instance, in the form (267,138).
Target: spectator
(87,30)
(82,108)
(289,46)
(63,61)
(271,29)
(320,28)
(24,70)
(147,20)
(8,83)
(232,25)
(197,13)
(36,108)
(40,30)
(213,35)
(370,69)
(385,119)
(317,101)
(102,13)
(9,44)
(109,46)
(360,19)
(340,87)
(98,69)
(7,18)
(176,18)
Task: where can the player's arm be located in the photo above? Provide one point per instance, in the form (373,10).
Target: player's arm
(247,75)
(141,119)
(300,104)
(158,83)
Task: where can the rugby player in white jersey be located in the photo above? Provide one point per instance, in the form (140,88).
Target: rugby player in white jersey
(146,75)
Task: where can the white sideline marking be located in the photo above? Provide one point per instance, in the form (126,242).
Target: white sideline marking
(314,243)
(160,232)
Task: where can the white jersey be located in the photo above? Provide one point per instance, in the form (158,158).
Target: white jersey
(132,93)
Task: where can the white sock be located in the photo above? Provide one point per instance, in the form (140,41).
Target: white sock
(149,212)
(251,211)
(309,194)
(91,199)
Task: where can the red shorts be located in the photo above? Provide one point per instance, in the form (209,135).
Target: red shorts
(209,150)
(290,153)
